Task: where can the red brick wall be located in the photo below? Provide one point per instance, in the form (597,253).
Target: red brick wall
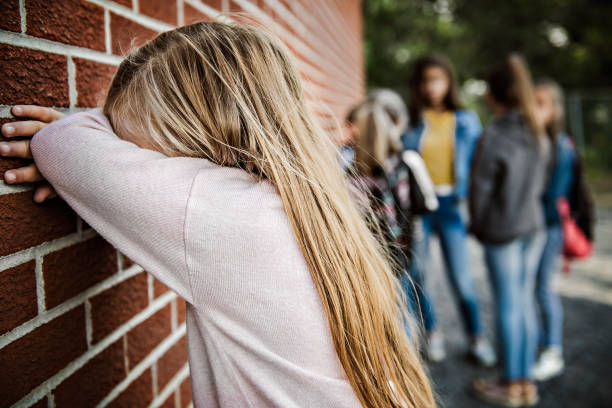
(80,325)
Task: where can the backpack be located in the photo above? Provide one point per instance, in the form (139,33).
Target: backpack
(577,216)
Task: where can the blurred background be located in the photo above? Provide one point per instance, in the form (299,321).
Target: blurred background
(569,41)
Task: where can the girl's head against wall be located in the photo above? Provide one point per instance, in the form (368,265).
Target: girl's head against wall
(550,106)
(433,84)
(214,90)
(510,87)
(230,93)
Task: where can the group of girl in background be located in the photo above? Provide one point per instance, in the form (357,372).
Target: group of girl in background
(438,172)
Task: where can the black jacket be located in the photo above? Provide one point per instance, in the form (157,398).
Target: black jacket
(508,175)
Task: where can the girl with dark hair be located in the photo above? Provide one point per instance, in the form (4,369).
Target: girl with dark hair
(508,178)
(444,133)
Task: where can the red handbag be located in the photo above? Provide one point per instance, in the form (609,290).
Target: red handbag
(575,243)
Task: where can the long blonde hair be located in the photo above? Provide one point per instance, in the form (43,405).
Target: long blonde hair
(379,121)
(231,94)
(556,125)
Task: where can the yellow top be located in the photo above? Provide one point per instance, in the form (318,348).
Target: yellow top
(437,146)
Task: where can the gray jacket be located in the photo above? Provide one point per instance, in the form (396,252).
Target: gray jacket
(508,176)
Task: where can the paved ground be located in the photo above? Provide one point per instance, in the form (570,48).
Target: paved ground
(587,298)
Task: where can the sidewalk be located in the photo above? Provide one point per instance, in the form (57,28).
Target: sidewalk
(587,298)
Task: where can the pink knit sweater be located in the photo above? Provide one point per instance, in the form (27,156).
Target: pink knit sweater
(256,330)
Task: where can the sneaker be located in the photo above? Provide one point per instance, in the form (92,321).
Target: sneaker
(530,393)
(496,392)
(482,352)
(434,349)
(549,365)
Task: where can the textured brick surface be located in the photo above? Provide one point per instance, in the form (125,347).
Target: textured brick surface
(191,14)
(92,382)
(48,348)
(159,288)
(127,34)
(138,394)
(43,403)
(17,296)
(11,19)
(185,391)
(169,402)
(33,77)
(147,335)
(39,71)
(171,362)
(117,305)
(75,22)
(180,310)
(71,270)
(163,11)
(92,81)
(26,223)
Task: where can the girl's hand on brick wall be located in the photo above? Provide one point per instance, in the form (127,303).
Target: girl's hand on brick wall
(39,117)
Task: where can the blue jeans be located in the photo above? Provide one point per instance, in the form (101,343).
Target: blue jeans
(551,311)
(512,270)
(447,222)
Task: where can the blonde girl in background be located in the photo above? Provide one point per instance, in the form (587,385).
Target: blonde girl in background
(206,168)
(385,179)
(549,98)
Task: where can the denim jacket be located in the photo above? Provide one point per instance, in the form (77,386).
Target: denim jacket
(561,178)
(468,129)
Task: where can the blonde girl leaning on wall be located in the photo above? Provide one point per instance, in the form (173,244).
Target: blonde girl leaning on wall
(206,167)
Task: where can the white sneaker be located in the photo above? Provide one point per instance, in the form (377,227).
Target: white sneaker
(549,365)
(434,350)
(482,352)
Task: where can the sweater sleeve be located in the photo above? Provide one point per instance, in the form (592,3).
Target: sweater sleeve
(133,197)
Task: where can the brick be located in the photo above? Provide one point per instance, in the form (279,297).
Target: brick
(11,19)
(147,335)
(17,296)
(138,394)
(192,15)
(43,403)
(159,288)
(180,310)
(26,223)
(169,402)
(40,354)
(92,81)
(33,77)
(216,4)
(92,382)
(127,262)
(165,11)
(72,270)
(126,3)
(74,22)
(127,34)
(185,390)
(115,306)
(171,362)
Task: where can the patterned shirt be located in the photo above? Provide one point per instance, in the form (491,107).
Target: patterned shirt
(387,193)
